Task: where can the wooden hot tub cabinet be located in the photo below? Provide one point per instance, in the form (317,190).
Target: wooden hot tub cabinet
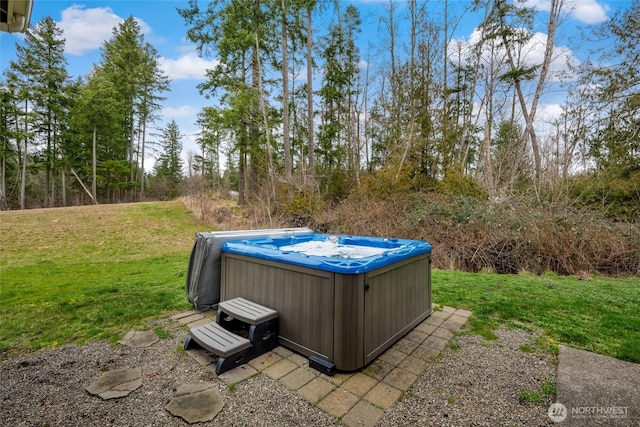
(346,319)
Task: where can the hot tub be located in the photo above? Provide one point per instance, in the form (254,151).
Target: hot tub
(345,299)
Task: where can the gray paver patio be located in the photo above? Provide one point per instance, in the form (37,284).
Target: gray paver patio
(297,378)
(364,414)
(355,398)
(359,384)
(316,390)
(338,402)
(383,395)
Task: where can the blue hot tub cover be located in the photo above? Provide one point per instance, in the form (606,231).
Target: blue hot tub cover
(335,253)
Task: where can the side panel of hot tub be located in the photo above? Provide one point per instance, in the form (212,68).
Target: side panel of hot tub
(303,297)
(348,329)
(397,299)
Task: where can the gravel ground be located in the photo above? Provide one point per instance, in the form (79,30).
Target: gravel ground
(477,383)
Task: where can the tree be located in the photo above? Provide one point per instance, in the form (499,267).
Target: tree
(41,63)
(131,65)
(614,96)
(310,127)
(505,23)
(213,132)
(338,93)
(9,141)
(239,33)
(610,92)
(153,81)
(95,119)
(168,168)
(285,91)
(19,95)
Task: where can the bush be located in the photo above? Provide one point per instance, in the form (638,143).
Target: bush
(616,197)
(381,185)
(458,184)
(298,205)
(507,236)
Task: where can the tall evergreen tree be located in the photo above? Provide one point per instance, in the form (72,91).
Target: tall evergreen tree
(95,124)
(9,141)
(17,98)
(153,81)
(338,92)
(213,132)
(131,65)
(41,63)
(168,172)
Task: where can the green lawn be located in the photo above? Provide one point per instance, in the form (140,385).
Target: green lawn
(92,272)
(69,275)
(598,314)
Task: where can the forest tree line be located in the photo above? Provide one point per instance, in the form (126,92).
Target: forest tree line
(296,107)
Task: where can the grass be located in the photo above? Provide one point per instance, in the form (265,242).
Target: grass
(540,397)
(69,275)
(599,314)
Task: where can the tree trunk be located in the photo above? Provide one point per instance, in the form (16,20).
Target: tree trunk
(144,132)
(529,113)
(131,149)
(285,96)
(242,171)
(84,187)
(93,166)
(486,146)
(552,25)
(47,176)
(23,178)
(63,186)
(3,176)
(310,143)
(265,119)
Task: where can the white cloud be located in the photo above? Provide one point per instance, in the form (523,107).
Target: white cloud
(87,29)
(532,54)
(189,66)
(185,47)
(181,111)
(548,113)
(563,58)
(587,11)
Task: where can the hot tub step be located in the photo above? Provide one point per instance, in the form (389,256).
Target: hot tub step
(218,340)
(237,316)
(247,311)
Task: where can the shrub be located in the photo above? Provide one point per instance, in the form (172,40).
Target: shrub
(617,197)
(508,236)
(380,185)
(299,205)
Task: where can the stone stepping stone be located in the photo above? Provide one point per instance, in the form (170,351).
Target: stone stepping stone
(196,402)
(116,383)
(139,339)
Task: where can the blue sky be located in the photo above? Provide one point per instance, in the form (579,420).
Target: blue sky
(87,24)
